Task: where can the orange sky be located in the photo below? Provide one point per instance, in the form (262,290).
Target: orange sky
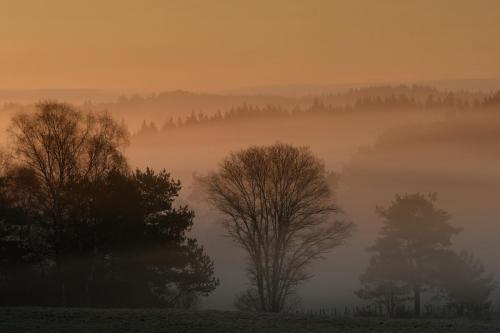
(146,45)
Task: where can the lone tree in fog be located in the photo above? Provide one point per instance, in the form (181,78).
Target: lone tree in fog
(414,236)
(277,202)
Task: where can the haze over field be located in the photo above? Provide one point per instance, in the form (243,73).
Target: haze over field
(380,141)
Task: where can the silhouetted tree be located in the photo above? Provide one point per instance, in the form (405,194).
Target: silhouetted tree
(78,228)
(277,203)
(63,146)
(413,235)
(141,231)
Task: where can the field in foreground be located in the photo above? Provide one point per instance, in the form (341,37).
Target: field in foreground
(53,320)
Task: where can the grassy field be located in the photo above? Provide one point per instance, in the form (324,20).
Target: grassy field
(41,320)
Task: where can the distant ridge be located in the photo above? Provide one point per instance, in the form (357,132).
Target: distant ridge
(24,96)
(266,93)
(301,90)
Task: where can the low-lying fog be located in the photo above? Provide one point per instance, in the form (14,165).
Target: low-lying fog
(377,153)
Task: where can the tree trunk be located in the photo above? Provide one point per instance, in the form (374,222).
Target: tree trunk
(416,299)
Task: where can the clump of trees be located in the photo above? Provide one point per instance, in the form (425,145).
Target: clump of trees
(79,228)
(413,256)
(277,203)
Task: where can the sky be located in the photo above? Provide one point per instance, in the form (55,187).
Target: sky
(207,45)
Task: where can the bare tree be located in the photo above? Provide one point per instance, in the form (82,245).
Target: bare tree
(277,203)
(63,146)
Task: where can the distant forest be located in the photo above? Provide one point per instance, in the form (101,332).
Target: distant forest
(175,109)
(402,98)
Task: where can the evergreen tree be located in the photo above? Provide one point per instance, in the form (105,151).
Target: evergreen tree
(414,232)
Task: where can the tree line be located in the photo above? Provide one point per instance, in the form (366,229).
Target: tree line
(320,106)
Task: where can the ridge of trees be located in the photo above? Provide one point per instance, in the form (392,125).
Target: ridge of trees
(359,101)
